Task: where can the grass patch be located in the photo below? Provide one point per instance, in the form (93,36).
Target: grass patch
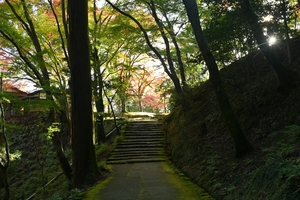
(93,191)
(188,190)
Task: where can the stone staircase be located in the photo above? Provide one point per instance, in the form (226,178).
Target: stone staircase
(144,142)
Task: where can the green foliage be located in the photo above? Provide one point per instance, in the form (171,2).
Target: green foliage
(33,160)
(76,194)
(291,172)
(54,127)
(118,42)
(105,148)
(281,169)
(101,148)
(61,193)
(174,100)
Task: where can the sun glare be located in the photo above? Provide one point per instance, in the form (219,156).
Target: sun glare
(272,40)
(267,18)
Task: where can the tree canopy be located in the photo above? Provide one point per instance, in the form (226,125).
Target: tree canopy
(142,55)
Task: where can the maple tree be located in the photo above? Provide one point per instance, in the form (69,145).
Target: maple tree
(163,30)
(113,43)
(25,34)
(139,83)
(154,100)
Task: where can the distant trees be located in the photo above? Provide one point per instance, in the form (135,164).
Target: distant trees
(142,79)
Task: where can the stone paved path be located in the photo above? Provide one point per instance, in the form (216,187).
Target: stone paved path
(142,172)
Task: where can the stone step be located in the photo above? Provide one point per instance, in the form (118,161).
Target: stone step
(154,133)
(135,155)
(140,160)
(143,142)
(137,151)
(144,122)
(143,126)
(136,140)
(149,149)
(139,145)
(143,129)
(144,137)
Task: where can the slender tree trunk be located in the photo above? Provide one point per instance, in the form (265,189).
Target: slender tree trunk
(65,126)
(57,146)
(98,96)
(286,30)
(84,158)
(113,112)
(123,105)
(97,85)
(285,76)
(178,52)
(169,70)
(63,161)
(5,183)
(6,161)
(167,44)
(100,120)
(242,145)
(140,106)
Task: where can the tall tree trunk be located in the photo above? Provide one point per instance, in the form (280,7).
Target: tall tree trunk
(242,145)
(84,158)
(285,76)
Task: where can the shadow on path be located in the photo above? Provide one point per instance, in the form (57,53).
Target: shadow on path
(146,181)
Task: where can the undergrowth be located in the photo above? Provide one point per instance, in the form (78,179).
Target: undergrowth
(34,164)
(272,173)
(199,143)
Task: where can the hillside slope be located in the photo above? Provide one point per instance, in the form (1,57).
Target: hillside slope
(200,145)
